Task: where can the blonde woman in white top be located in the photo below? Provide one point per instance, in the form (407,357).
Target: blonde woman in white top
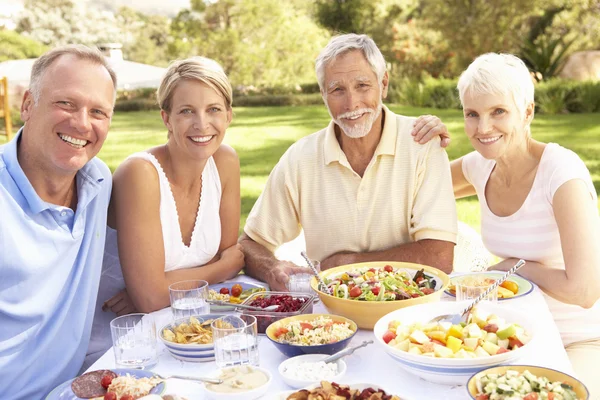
(538,202)
(155,250)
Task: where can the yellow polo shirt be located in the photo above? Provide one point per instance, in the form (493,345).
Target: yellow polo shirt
(405,195)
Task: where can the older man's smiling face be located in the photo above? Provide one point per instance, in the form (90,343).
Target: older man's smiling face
(353,94)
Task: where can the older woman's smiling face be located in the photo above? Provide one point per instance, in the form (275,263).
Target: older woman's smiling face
(494,125)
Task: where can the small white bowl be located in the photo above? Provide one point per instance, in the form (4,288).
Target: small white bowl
(298,383)
(248,395)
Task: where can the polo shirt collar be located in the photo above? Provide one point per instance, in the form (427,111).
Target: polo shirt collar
(89,179)
(387,143)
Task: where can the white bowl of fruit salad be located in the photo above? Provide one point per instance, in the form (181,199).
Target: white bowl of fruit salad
(451,354)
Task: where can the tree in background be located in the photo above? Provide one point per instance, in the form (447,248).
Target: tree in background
(474,27)
(145,38)
(16,46)
(258,42)
(60,22)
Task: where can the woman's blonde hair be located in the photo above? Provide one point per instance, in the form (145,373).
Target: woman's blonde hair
(200,69)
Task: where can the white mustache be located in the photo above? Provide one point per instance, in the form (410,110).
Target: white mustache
(356,113)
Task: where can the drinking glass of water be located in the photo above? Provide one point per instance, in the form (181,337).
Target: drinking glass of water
(134,340)
(300,282)
(236,341)
(188,298)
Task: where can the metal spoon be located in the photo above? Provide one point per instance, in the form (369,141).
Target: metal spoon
(345,352)
(247,307)
(322,284)
(190,378)
(463,315)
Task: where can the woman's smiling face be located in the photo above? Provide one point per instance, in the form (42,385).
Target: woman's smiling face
(494,124)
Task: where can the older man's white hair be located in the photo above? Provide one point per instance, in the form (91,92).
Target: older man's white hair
(342,44)
(502,74)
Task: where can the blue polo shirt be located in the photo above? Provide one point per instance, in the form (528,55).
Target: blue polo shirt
(50,264)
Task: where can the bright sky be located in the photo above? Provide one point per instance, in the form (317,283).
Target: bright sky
(168,8)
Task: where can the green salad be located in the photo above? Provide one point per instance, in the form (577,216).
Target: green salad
(514,385)
(380,284)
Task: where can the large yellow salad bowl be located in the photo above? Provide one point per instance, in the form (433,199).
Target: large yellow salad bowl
(367,313)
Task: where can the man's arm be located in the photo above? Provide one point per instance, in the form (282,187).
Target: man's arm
(435,253)
(262,264)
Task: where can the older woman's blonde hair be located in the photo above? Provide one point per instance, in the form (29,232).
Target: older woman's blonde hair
(200,69)
(494,73)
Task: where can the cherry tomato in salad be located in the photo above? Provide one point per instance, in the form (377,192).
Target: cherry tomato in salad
(236,290)
(531,396)
(105,381)
(280,331)
(551,396)
(372,270)
(126,397)
(306,325)
(388,336)
(419,279)
(224,290)
(110,396)
(427,290)
(375,290)
(388,268)
(482,397)
(355,291)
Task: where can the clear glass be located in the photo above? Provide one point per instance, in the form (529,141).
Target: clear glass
(300,282)
(467,292)
(236,340)
(134,341)
(188,298)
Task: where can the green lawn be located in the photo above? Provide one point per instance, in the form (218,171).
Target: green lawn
(262,134)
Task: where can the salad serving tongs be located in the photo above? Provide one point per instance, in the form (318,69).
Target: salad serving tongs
(247,307)
(456,319)
(345,352)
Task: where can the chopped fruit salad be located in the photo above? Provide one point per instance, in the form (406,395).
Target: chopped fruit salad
(514,385)
(380,284)
(482,336)
(322,330)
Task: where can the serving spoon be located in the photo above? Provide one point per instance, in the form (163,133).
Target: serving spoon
(215,381)
(322,284)
(247,307)
(345,352)
(464,314)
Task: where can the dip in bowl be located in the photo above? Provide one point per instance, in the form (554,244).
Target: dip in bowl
(242,381)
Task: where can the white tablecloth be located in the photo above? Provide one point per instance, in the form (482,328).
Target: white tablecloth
(370,364)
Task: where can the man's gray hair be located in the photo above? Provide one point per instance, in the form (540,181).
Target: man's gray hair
(342,44)
(498,74)
(77,50)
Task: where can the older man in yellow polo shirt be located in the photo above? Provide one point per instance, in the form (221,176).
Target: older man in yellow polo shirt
(362,189)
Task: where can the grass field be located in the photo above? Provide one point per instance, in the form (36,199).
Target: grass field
(262,134)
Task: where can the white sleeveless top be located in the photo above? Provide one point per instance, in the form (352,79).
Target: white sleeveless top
(204,245)
(531,233)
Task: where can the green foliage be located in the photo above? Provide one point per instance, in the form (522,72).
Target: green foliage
(552,96)
(278,100)
(435,93)
(139,104)
(546,56)
(346,16)
(256,41)
(16,46)
(585,97)
(145,38)
(419,51)
(479,26)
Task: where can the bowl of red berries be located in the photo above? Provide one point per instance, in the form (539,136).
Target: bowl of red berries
(288,304)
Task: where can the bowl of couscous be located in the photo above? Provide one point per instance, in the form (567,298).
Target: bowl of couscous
(311,334)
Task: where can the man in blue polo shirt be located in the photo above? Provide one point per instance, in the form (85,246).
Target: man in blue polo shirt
(54,196)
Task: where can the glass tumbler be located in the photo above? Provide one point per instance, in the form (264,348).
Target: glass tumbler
(236,341)
(300,282)
(189,298)
(134,340)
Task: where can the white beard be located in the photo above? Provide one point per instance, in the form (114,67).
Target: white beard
(357,131)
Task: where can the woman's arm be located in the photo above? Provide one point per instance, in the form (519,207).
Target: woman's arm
(578,224)
(462,187)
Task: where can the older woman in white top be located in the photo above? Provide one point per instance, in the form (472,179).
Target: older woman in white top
(175,209)
(537,202)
